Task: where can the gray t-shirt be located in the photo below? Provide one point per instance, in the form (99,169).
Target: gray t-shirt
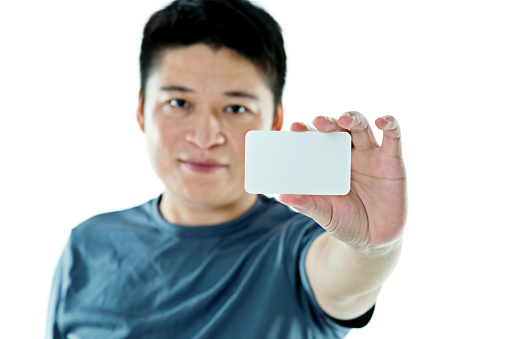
(132,274)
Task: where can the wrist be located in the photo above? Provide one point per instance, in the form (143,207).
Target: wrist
(378,251)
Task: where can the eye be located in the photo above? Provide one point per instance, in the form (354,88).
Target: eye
(236,109)
(179,103)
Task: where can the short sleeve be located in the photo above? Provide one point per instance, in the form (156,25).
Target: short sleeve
(318,314)
(52,331)
(359,322)
(301,233)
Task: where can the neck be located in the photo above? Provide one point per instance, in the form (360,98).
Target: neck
(186,213)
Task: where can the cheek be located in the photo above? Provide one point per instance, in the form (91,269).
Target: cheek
(162,131)
(160,140)
(238,147)
(167,134)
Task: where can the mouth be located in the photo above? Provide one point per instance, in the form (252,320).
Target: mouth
(202,166)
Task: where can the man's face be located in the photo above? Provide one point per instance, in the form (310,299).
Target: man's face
(199,104)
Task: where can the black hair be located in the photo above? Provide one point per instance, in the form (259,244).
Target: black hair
(235,24)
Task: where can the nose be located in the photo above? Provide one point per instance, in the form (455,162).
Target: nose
(205,131)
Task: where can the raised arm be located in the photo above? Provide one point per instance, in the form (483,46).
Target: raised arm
(348,264)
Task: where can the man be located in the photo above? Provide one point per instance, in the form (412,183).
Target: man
(206,259)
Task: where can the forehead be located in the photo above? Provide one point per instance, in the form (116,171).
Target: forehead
(205,68)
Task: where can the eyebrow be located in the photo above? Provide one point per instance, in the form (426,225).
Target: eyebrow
(236,94)
(176,88)
(241,94)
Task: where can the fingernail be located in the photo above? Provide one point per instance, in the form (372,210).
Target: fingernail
(389,120)
(331,126)
(307,126)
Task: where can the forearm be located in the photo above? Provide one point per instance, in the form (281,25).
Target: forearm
(346,280)
(353,272)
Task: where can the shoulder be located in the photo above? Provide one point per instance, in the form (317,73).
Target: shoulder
(103,228)
(296,230)
(279,213)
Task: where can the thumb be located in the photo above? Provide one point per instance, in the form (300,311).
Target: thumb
(313,206)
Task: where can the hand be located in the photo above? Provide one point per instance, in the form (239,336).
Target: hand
(374,212)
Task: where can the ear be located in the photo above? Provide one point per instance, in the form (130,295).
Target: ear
(278,119)
(140,115)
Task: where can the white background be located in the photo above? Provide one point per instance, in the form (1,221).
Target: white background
(71,147)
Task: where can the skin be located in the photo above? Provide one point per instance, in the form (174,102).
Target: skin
(200,102)
(364,227)
(196,120)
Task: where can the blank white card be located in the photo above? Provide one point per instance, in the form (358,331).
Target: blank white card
(297,162)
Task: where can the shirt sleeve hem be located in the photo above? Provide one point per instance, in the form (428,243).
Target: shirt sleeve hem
(359,322)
